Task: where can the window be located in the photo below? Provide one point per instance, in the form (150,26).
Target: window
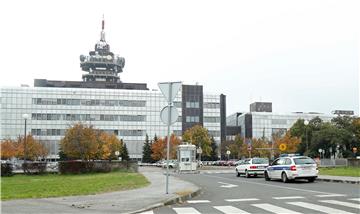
(192,104)
(192,119)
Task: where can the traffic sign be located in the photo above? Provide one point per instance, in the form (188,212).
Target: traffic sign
(164,115)
(282,147)
(228,152)
(165,89)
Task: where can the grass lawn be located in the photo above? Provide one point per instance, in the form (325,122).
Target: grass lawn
(55,185)
(341,171)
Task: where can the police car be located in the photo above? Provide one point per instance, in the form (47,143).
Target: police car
(291,167)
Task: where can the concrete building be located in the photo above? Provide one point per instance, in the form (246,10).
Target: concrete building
(129,110)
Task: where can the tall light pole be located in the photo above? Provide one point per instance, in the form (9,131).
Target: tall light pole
(25,116)
(306,123)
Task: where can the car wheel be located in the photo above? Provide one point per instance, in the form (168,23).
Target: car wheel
(266,177)
(311,180)
(237,174)
(247,174)
(284,177)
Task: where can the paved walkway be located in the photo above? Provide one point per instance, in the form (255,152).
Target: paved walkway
(114,202)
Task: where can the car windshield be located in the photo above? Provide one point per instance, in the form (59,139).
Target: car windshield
(302,161)
(260,161)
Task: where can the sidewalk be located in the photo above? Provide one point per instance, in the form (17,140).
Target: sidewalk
(131,201)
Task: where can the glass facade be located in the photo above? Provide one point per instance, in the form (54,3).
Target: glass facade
(130,114)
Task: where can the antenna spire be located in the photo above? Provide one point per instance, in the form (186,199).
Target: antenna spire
(103,23)
(102,35)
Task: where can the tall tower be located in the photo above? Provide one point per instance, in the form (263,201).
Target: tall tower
(101,64)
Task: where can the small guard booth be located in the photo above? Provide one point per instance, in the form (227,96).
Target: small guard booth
(186,154)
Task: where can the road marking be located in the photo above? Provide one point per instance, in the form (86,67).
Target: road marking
(226,185)
(241,199)
(274,209)
(330,195)
(186,210)
(318,207)
(198,201)
(148,212)
(355,199)
(270,185)
(342,203)
(288,197)
(230,210)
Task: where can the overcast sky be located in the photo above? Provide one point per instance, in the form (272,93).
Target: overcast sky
(299,55)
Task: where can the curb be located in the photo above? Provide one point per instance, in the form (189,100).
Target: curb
(169,201)
(338,181)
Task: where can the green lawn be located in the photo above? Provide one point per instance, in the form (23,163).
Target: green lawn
(54,185)
(341,171)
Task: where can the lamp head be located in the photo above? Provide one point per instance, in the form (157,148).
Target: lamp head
(25,116)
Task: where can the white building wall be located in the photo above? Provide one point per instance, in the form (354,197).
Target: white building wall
(16,101)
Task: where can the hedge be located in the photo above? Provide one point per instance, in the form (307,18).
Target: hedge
(78,166)
(6,169)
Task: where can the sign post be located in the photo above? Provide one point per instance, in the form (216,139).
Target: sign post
(168,116)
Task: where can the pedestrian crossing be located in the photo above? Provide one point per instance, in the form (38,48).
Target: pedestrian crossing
(288,205)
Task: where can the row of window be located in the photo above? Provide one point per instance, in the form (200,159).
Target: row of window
(192,105)
(61,132)
(88,102)
(126,103)
(89,117)
(192,119)
(211,119)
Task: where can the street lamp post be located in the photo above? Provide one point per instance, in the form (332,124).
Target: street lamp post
(306,123)
(25,116)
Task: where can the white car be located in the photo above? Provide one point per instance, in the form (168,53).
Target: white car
(291,168)
(251,166)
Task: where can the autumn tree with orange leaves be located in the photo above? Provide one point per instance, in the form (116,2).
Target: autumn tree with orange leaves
(80,142)
(159,147)
(108,145)
(292,144)
(34,149)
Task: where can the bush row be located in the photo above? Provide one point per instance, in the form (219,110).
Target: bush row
(6,169)
(78,166)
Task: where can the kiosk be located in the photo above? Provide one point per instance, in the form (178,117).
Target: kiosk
(186,158)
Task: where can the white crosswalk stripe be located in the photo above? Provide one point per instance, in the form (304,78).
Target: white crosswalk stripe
(198,201)
(274,209)
(354,199)
(148,212)
(241,199)
(318,208)
(230,210)
(288,197)
(186,210)
(330,195)
(342,203)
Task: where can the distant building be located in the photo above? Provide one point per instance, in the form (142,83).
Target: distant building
(261,107)
(129,110)
(266,124)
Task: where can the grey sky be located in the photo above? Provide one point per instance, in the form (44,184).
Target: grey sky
(300,55)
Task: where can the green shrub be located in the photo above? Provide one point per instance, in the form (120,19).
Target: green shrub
(6,169)
(34,167)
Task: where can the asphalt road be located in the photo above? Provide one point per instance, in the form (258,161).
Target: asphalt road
(226,193)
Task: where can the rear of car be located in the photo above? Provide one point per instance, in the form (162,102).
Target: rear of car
(252,167)
(291,168)
(305,168)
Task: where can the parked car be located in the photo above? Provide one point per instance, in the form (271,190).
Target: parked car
(291,168)
(251,166)
(172,163)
